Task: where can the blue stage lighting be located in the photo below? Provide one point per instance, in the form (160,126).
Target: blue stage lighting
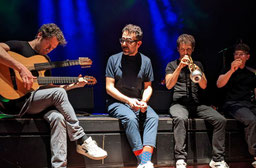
(74,19)
(171,17)
(165,31)
(46,14)
(85,26)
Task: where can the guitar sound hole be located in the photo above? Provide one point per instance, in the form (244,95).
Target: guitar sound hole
(35,73)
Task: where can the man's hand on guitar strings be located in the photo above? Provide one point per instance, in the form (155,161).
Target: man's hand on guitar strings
(26,77)
(81,81)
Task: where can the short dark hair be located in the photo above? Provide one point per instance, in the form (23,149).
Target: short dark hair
(130,28)
(186,39)
(243,47)
(52,30)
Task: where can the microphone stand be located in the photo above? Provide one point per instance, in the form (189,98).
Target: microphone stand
(223,52)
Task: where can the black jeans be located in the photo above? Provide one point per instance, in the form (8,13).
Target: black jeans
(180,114)
(244,112)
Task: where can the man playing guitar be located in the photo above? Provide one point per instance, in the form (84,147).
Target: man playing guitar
(53,101)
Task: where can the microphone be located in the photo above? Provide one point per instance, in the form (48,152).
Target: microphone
(223,50)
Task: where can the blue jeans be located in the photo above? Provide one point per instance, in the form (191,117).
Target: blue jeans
(130,121)
(244,112)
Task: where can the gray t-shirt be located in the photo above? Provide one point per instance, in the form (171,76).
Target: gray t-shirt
(185,89)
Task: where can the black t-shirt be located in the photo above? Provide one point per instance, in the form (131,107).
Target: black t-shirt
(185,90)
(240,85)
(131,68)
(23,48)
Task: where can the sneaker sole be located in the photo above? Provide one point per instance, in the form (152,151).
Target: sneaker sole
(80,150)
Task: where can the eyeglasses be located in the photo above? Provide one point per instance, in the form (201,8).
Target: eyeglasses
(127,41)
(240,54)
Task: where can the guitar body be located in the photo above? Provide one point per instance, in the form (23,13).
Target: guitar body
(10,81)
(29,62)
(12,86)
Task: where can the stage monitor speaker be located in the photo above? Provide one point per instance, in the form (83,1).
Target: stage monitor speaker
(82,99)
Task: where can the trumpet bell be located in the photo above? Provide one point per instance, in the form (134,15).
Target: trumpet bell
(196,76)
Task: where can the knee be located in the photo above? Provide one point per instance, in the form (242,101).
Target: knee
(252,122)
(130,121)
(221,120)
(60,93)
(153,117)
(57,119)
(152,120)
(180,119)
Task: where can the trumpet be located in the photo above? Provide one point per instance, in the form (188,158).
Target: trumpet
(195,72)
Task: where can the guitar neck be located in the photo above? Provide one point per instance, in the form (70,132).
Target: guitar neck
(57,64)
(56,80)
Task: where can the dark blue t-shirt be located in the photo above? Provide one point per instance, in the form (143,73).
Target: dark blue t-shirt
(130,73)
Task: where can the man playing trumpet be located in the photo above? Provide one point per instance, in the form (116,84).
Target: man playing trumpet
(179,75)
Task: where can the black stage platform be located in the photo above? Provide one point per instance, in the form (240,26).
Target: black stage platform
(24,142)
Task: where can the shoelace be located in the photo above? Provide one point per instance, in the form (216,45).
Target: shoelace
(218,164)
(181,164)
(92,146)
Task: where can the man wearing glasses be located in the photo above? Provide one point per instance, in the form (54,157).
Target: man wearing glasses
(128,83)
(240,83)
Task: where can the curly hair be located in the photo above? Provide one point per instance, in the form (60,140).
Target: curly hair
(130,28)
(52,30)
(243,47)
(186,39)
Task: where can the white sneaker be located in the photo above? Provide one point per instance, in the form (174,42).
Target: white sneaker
(181,164)
(146,165)
(90,149)
(221,164)
(254,164)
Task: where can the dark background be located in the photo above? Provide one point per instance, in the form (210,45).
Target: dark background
(216,25)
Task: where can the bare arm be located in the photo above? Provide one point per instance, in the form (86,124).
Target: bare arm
(9,61)
(146,96)
(147,91)
(6,59)
(223,79)
(171,79)
(203,82)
